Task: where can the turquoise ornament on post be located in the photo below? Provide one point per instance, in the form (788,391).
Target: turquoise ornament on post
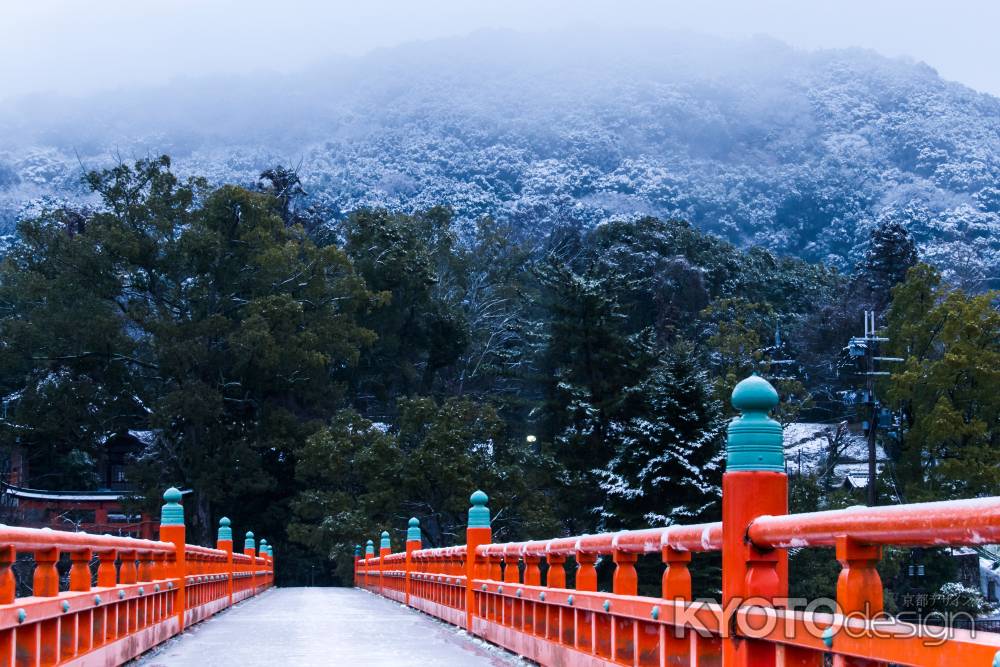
(172,514)
(384,542)
(369,549)
(479,513)
(248,543)
(413,530)
(755,440)
(225,530)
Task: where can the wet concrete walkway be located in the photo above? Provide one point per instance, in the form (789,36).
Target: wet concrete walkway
(323,626)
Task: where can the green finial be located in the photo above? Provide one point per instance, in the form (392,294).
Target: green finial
(262,547)
(357,551)
(755,441)
(413,532)
(248,543)
(172,513)
(479,513)
(369,548)
(384,543)
(225,532)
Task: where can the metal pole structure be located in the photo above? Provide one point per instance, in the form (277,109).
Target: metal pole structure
(873,425)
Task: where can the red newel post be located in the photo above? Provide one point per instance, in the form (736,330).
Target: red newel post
(477,533)
(357,565)
(262,548)
(384,549)
(413,543)
(250,549)
(754,484)
(172,530)
(369,556)
(224,541)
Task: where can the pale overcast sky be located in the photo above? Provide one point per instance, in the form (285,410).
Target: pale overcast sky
(77,46)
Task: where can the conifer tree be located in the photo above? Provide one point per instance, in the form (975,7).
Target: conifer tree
(890,254)
(946,387)
(668,465)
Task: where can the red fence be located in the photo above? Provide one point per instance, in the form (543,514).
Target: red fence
(516,595)
(143,591)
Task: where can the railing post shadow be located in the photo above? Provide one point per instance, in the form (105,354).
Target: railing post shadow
(477,533)
(413,543)
(753,485)
(225,543)
(172,529)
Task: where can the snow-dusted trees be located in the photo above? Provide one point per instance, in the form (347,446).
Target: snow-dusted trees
(190,311)
(668,465)
(890,254)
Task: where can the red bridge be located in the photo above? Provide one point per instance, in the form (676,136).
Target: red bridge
(515,595)
(537,599)
(146,591)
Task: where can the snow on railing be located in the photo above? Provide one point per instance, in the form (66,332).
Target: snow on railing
(516,595)
(142,593)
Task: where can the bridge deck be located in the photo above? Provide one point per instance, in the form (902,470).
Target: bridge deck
(323,626)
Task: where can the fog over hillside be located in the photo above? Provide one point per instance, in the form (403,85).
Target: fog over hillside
(800,152)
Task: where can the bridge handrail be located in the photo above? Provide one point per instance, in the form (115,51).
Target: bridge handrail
(33,539)
(500,591)
(945,523)
(696,538)
(111,616)
(206,553)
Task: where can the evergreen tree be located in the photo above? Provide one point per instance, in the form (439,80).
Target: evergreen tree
(668,466)
(360,478)
(285,186)
(946,387)
(197,314)
(735,333)
(588,362)
(890,254)
(417,273)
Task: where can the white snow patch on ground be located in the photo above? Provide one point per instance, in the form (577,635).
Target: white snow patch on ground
(806,446)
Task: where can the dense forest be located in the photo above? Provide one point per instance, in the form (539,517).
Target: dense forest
(325,381)
(803,153)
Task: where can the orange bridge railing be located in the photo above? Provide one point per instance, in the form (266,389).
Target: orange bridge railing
(142,592)
(515,594)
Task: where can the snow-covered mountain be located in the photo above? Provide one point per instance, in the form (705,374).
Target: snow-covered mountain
(801,152)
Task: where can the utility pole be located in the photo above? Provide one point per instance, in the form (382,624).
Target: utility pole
(867,347)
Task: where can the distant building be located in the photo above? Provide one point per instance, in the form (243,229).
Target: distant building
(105,509)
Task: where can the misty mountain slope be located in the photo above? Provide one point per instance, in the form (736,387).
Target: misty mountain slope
(799,152)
